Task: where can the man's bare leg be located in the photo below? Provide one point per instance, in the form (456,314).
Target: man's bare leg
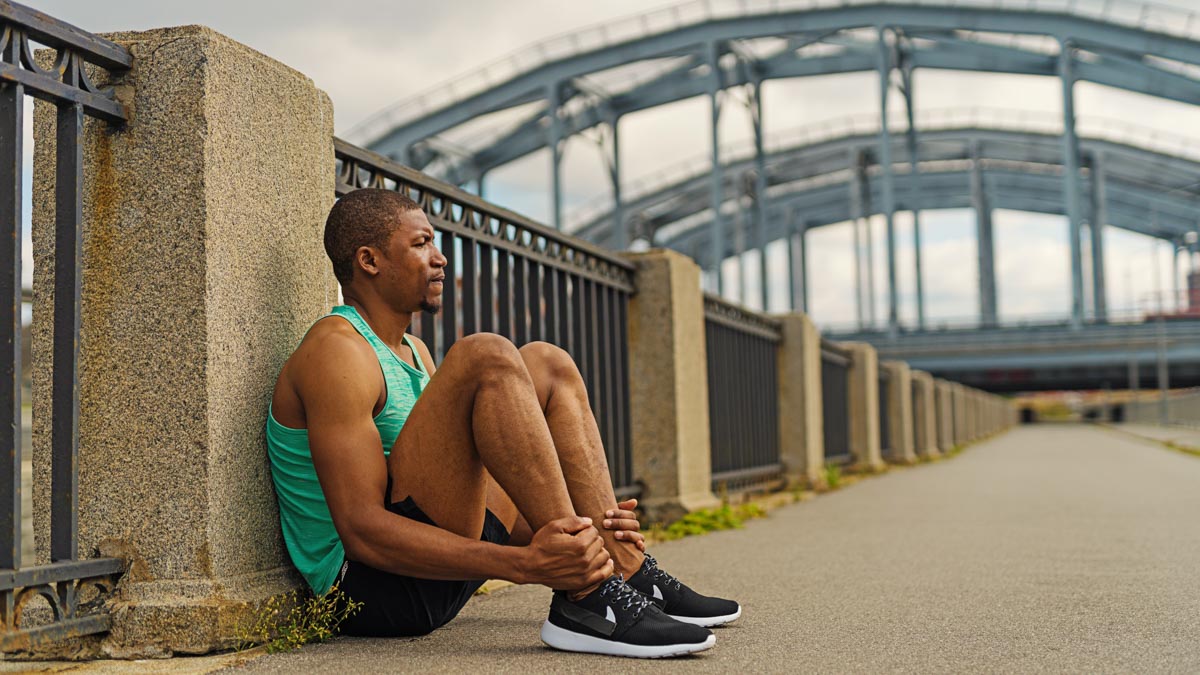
(480,415)
(563,397)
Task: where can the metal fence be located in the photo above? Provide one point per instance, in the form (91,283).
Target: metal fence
(743,394)
(835,396)
(509,275)
(66,579)
(885,431)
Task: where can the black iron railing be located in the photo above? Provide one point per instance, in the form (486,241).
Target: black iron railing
(525,281)
(835,401)
(743,394)
(885,432)
(65,85)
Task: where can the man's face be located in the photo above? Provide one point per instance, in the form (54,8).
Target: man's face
(416,269)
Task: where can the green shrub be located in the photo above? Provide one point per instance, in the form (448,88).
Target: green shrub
(704,521)
(833,476)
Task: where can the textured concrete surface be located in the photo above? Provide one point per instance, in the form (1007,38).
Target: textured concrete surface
(1046,549)
(668,400)
(863,391)
(944,402)
(203,267)
(924,415)
(1182,436)
(801,413)
(900,412)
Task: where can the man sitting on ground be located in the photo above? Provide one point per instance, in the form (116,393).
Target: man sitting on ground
(404,484)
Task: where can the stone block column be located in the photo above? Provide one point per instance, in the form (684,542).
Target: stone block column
(900,412)
(801,412)
(944,399)
(864,406)
(203,267)
(925,418)
(668,400)
(962,433)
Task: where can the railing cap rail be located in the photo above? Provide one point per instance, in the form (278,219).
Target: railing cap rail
(742,318)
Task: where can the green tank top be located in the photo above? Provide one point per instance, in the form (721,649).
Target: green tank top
(308,530)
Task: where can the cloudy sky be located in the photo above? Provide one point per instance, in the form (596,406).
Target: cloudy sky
(370,54)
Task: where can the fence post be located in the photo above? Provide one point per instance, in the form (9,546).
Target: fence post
(945,414)
(900,411)
(864,406)
(962,434)
(801,413)
(203,266)
(925,417)
(668,392)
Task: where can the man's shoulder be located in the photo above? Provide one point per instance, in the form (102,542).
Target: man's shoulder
(333,342)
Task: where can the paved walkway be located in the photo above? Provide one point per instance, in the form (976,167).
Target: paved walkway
(1185,437)
(1050,548)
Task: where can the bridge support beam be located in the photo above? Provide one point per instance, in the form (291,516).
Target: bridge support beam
(885,161)
(760,188)
(914,187)
(985,241)
(1096,226)
(1071,187)
(798,262)
(553,103)
(857,187)
(620,236)
(716,180)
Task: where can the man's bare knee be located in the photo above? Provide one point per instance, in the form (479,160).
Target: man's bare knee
(550,367)
(488,359)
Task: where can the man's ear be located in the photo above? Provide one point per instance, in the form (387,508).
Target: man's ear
(367,259)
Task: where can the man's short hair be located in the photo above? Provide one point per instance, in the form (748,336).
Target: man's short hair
(365,217)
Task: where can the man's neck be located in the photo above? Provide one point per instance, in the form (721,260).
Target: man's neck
(386,323)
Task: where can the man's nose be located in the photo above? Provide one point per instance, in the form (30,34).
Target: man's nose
(439,260)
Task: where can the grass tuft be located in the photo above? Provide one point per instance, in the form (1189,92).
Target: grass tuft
(294,619)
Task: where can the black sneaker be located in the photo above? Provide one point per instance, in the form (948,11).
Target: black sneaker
(618,621)
(679,601)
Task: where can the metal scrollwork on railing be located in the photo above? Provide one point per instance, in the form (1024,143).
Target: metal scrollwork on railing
(64,587)
(740,318)
(464,214)
(67,80)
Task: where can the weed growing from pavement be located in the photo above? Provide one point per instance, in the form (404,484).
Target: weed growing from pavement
(833,476)
(310,619)
(1185,449)
(703,521)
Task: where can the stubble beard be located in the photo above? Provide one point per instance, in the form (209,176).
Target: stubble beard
(431,307)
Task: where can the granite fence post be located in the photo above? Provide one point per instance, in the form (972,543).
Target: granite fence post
(945,414)
(801,411)
(962,433)
(864,406)
(900,412)
(925,418)
(668,400)
(203,266)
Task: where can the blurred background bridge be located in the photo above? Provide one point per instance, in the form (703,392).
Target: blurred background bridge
(749,210)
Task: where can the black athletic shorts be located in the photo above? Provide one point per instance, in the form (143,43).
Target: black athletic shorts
(396,605)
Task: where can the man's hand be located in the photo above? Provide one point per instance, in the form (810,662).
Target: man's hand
(567,554)
(626,524)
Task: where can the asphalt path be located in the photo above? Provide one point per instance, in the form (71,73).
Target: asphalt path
(1047,549)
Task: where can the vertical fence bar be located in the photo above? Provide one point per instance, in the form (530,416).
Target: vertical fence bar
(564,309)
(623,360)
(68,263)
(535,301)
(550,306)
(594,353)
(616,400)
(521,308)
(487,285)
(577,329)
(606,371)
(504,287)
(470,288)
(12,125)
(449,294)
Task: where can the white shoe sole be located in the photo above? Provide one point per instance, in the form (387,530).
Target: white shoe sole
(561,638)
(708,621)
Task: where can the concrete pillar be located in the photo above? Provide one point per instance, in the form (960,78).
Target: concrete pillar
(864,406)
(668,400)
(900,412)
(944,400)
(203,268)
(801,412)
(959,396)
(925,417)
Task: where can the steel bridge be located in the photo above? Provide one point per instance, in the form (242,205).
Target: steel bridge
(1097,173)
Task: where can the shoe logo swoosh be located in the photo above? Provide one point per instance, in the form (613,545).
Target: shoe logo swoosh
(657,593)
(602,625)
